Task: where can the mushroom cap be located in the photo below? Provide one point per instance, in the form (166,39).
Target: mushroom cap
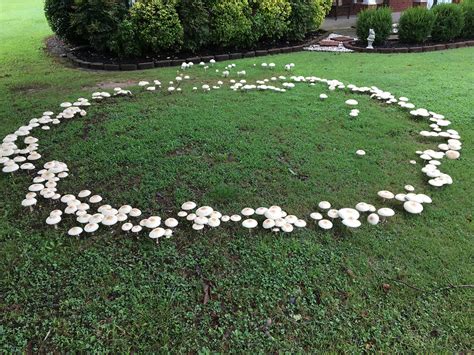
(360,152)
(300,223)
(198,227)
(268,223)
(385,194)
(182,214)
(351,222)
(225,218)
(110,220)
(346,213)
(127,226)
(213,222)
(121,217)
(261,211)
(27,202)
(452,154)
(74,231)
(274,212)
(325,224)
(204,211)
(153,222)
(362,207)
(171,222)
(413,207)
(125,209)
(36,188)
(249,223)
(96,218)
(136,229)
(95,199)
(91,227)
(373,219)
(235,218)
(287,228)
(351,102)
(52,220)
(316,216)
(247,211)
(291,219)
(333,213)
(385,212)
(324,205)
(85,218)
(201,220)
(191,217)
(157,233)
(135,212)
(84,193)
(400,197)
(56,213)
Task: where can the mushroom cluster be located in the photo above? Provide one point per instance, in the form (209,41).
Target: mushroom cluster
(19,152)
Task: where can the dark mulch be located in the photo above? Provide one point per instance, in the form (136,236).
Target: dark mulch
(398,44)
(89,55)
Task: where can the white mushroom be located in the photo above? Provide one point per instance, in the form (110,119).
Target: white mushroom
(373,219)
(413,207)
(74,231)
(91,227)
(249,223)
(171,222)
(325,224)
(324,205)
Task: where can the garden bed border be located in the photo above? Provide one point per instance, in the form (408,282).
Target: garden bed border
(177,62)
(415,49)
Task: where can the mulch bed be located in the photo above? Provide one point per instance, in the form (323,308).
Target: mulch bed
(394,46)
(85,57)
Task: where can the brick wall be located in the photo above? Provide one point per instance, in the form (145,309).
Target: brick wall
(400,5)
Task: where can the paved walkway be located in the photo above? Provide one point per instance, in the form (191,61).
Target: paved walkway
(346,26)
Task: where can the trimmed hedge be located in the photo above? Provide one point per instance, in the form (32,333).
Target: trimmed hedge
(380,20)
(168,26)
(449,22)
(415,25)
(468,12)
(306,16)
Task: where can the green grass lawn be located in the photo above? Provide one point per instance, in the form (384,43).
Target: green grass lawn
(307,291)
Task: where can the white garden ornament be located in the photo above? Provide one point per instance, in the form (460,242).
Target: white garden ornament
(88,210)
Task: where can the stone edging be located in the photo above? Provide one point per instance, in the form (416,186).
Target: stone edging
(177,62)
(417,49)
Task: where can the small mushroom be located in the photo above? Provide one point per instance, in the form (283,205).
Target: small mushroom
(373,219)
(325,224)
(74,231)
(91,227)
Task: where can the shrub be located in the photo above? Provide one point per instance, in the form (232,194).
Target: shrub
(468,12)
(194,16)
(378,19)
(449,22)
(230,23)
(58,14)
(123,42)
(157,26)
(306,16)
(415,25)
(95,20)
(270,19)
